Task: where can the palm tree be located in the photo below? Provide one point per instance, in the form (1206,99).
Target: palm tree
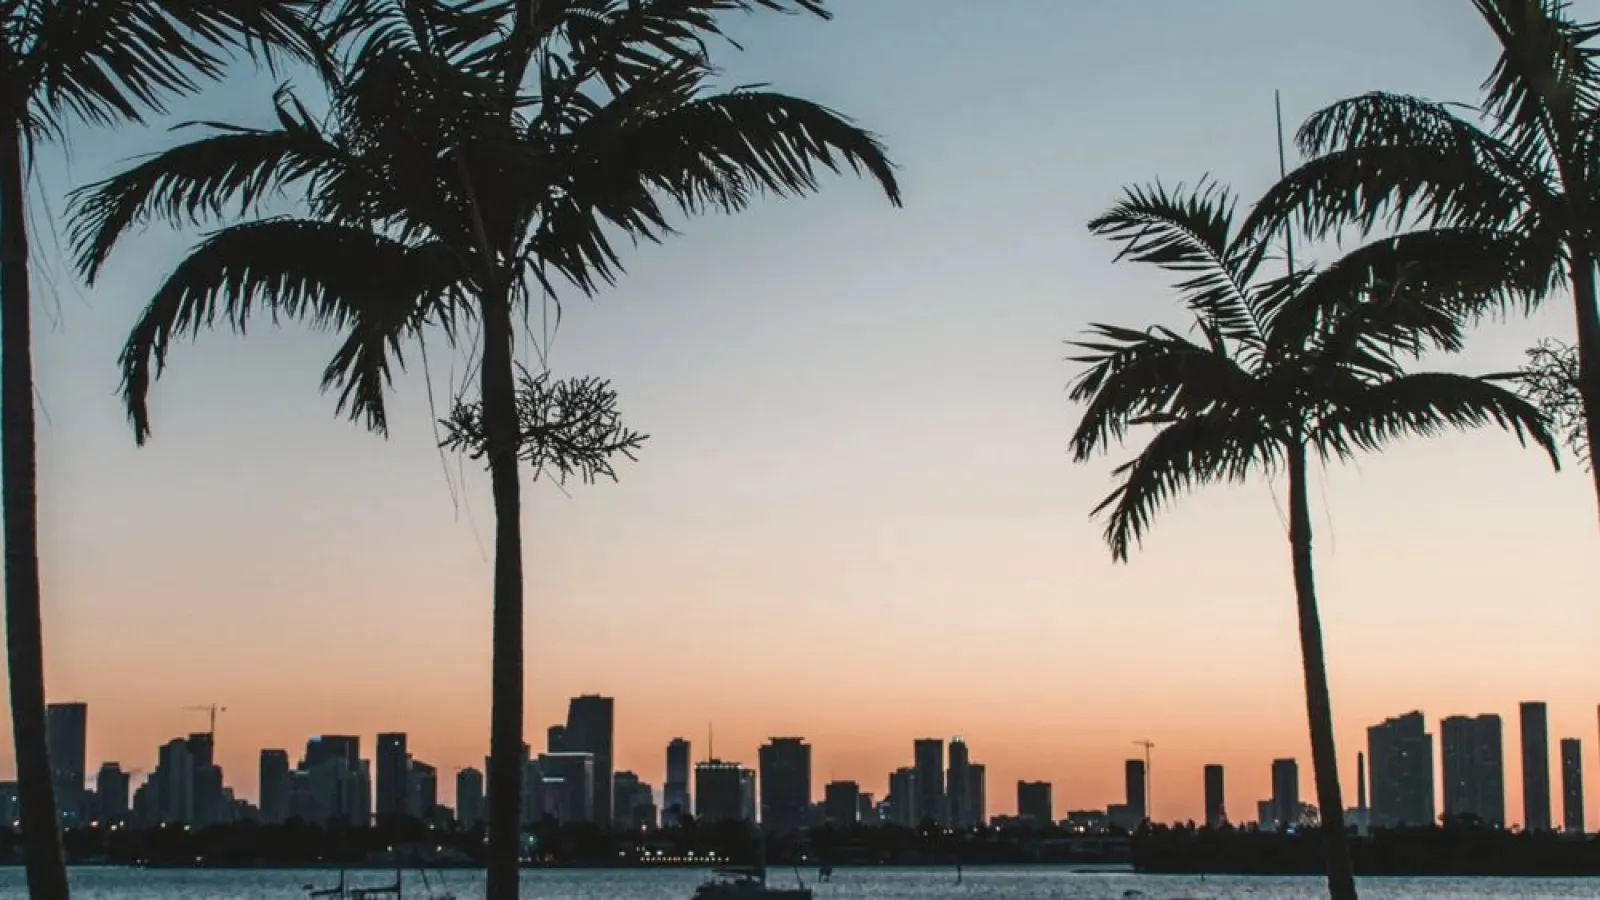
(477,154)
(99,62)
(1523,165)
(1281,369)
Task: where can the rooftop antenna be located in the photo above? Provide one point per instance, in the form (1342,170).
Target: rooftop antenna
(212,709)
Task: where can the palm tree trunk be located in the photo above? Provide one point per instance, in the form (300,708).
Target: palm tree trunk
(1582,272)
(505,729)
(41,834)
(1319,705)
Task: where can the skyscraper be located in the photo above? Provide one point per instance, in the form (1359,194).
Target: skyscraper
(1216,806)
(841,803)
(393,775)
(1473,768)
(675,799)
(719,791)
(1034,805)
(785,785)
(928,756)
(1134,786)
(274,786)
(591,724)
(469,797)
(904,797)
(111,789)
(66,737)
(1400,755)
(422,789)
(958,785)
(1285,793)
(1572,785)
(1535,766)
(979,804)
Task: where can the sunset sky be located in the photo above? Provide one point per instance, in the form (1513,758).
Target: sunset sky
(855,519)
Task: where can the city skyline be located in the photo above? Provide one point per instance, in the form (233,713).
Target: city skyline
(855,519)
(1397,751)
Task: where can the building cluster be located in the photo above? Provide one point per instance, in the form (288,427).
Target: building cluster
(573,780)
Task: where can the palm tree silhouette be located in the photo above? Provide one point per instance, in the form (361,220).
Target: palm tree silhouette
(1528,175)
(97,62)
(476,155)
(1281,369)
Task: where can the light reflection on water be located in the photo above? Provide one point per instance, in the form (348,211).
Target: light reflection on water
(1043,883)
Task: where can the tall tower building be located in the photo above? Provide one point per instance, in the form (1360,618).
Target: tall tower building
(393,779)
(1216,809)
(979,794)
(1572,786)
(1285,793)
(66,730)
(591,726)
(1134,787)
(1034,804)
(928,756)
(469,797)
(1535,766)
(1400,755)
(111,789)
(1473,769)
(675,799)
(719,791)
(959,796)
(274,786)
(785,785)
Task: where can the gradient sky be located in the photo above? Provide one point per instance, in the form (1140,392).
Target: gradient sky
(855,519)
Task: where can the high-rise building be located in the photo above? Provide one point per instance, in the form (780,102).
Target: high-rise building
(979,804)
(841,803)
(206,797)
(1285,793)
(66,731)
(174,780)
(111,792)
(675,801)
(422,789)
(1473,769)
(747,794)
(719,791)
(1134,790)
(904,797)
(1400,755)
(555,739)
(393,775)
(1033,803)
(785,785)
(1535,766)
(469,797)
(633,803)
(1572,785)
(274,786)
(334,788)
(958,785)
(1216,806)
(570,779)
(591,725)
(928,755)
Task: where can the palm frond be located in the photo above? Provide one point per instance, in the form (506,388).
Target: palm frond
(1380,157)
(1544,87)
(1225,445)
(1368,416)
(1190,232)
(109,61)
(226,173)
(1136,376)
(327,275)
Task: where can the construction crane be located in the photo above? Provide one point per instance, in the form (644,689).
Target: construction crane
(212,709)
(1149,780)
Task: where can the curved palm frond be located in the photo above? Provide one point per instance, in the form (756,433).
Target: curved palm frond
(1366,416)
(229,172)
(108,61)
(330,276)
(1224,445)
(1190,231)
(1544,88)
(660,141)
(1380,156)
(1134,377)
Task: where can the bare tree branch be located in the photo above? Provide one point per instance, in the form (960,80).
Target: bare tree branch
(1550,382)
(565,427)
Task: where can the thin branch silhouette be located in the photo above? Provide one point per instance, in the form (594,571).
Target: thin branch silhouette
(1549,380)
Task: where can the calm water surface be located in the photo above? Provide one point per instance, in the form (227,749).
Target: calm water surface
(848,884)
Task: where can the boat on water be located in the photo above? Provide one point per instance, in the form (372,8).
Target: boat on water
(396,891)
(747,883)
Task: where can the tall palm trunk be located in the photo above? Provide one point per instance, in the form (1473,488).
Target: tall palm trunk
(1582,272)
(505,729)
(41,834)
(1319,706)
